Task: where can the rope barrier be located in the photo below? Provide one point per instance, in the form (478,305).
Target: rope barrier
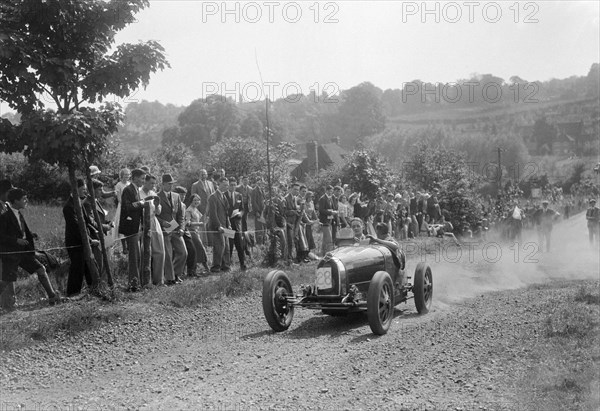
(121,238)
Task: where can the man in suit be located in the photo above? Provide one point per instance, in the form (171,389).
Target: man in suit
(235,212)
(17,246)
(157,240)
(257,199)
(204,189)
(78,269)
(172,212)
(326,216)
(7,298)
(245,190)
(292,214)
(545,217)
(337,192)
(218,220)
(130,223)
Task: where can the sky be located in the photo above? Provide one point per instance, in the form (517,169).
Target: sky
(214,46)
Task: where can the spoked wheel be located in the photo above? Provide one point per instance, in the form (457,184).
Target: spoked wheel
(278,312)
(423,288)
(380,303)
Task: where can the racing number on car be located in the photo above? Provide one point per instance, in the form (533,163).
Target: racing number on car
(324,277)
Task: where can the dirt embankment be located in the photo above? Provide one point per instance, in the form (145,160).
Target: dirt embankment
(483,346)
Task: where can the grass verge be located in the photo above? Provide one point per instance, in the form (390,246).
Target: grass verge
(567,373)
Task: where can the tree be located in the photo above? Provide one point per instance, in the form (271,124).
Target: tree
(251,127)
(62,48)
(448,171)
(361,114)
(248,157)
(206,122)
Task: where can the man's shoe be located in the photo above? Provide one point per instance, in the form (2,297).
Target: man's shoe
(215,269)
(170,282)
(178,280)
(225,269)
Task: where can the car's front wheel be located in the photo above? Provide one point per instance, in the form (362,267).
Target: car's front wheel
(423,288)
(278,312)
(380,303)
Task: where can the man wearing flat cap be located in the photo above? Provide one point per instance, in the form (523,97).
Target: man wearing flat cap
(171,221)
(592,215)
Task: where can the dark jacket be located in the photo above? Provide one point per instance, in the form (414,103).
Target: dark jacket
(326,210)
(257,199)
(234,202)
(72,236)
(132,213)
(172,209)
(203,190)
(10,232)
(291,209)
(218,215)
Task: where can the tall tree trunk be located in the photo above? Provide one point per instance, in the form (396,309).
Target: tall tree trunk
(87,249)
(105,265)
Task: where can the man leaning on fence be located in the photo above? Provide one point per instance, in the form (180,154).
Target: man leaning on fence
(17,248)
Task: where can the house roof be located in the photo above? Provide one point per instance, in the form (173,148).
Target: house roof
(333,151)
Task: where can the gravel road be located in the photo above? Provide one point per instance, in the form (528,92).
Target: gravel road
(472,351)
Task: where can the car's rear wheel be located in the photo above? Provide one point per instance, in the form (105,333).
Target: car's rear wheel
(278,312)
(380,303)
(423,288)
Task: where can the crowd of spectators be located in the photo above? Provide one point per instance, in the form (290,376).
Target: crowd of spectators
(224,213)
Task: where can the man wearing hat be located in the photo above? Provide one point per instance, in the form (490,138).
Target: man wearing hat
(545,217)
(95,173)
(592,215)
(171,221)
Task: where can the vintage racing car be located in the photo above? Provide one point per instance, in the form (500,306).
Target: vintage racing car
(348,279)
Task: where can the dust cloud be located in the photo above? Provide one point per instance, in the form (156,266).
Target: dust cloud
(473,269)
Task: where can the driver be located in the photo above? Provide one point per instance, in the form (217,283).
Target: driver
(357,229)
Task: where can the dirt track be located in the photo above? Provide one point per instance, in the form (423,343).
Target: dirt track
(469,353)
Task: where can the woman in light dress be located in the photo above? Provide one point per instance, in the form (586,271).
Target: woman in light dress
(344,211)
(193,223)
(124,176)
